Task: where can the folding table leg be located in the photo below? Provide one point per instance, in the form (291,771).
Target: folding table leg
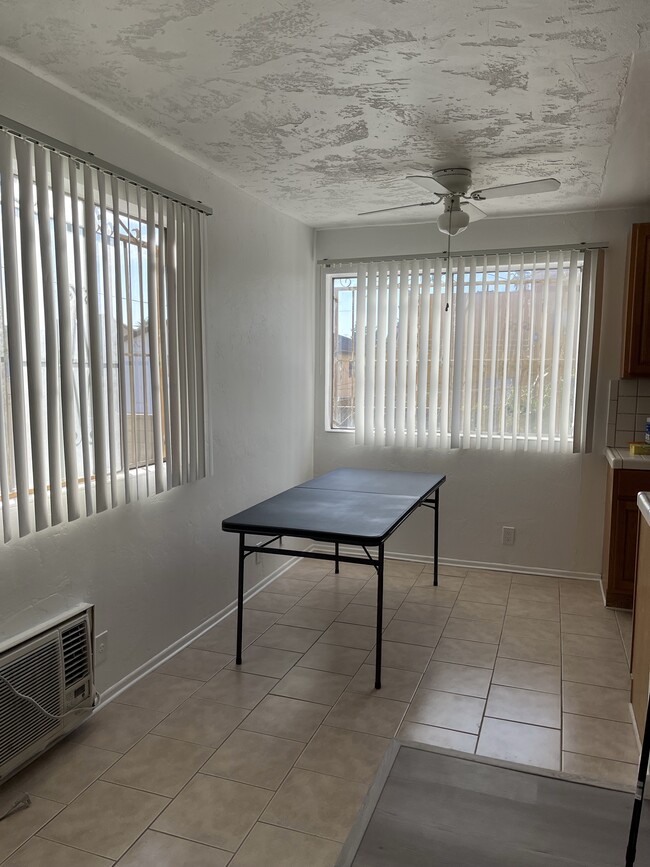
(336,552)
(380,612)
(240,599)
(435,537)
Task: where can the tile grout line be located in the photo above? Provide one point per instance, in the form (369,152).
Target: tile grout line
(237,728)
(322,724)
(487,697)
(306,745)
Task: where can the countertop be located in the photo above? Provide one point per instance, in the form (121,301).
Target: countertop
(643,502)
(621,459)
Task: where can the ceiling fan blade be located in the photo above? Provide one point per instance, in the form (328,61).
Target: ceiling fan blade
(545,185)
(397,208)
(429,183)
(474,212)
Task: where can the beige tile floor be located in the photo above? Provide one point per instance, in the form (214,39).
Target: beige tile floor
(205,764)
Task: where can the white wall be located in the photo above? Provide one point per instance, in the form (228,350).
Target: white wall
(555,502)
(157,569)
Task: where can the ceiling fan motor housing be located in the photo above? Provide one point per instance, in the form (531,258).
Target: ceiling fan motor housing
(457,181)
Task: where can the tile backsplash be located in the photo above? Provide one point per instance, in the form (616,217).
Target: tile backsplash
(629,406)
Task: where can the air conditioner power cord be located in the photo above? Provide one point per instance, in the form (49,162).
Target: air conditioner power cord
(21,804)
(55,716)
(25,801)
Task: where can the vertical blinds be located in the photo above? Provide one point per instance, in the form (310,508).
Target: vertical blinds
(101,336)
(499,353)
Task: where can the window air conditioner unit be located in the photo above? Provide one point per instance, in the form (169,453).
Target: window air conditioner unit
(52,669)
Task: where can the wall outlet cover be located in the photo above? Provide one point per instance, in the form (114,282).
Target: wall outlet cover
(101,647)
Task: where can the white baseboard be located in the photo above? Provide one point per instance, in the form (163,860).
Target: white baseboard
(166,654)
(351,550)
(521,570)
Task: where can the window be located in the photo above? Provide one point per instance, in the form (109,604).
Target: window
(101,371)
(498,355)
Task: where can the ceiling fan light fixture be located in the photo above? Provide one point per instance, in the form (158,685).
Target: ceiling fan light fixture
(453,221)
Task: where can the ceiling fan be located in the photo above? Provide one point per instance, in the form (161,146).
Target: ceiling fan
(451,188)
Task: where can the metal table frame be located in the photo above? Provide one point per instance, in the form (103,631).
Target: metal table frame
(245,550)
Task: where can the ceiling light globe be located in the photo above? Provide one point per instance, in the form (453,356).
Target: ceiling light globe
(454,222)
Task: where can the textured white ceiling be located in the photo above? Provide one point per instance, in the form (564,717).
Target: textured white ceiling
(322,108)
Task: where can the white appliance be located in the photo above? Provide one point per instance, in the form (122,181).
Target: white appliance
(47,686)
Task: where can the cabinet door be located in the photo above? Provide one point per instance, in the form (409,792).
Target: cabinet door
(636,339)
(621,528)
(641,637)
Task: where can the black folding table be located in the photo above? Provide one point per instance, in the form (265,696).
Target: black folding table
(345,507)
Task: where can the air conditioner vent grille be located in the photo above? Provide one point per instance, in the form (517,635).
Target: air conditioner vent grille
(76,655)
(38,675)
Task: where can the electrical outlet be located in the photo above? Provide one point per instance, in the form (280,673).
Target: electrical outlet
(101,647)
(507,535)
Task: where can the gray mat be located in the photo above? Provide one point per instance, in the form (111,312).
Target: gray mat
(439,810)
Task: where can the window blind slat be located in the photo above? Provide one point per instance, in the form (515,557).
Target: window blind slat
(567,405)
(163,308)
(481,312)
(182,347)
(51,360)
(402,345)
(141,358)
(434,376)
(13,346)
(531,351)
(423,361)
(587,360)
(412,353)
(31,310)
(516,409)
(65,362)
(96,345)
(371,340)
(198,283)
(107,291)
(555,354)
(188,309)
(542,409)
(118,282)
(131,275)
(446,314)
(82,355)
(504,365)
(380,379)
(391,347)
(468,377)
(174,447)
(360,355)
(493,343)
(459,314)
(154,337)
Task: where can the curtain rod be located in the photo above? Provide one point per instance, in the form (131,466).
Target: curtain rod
(443,254)
(18,129)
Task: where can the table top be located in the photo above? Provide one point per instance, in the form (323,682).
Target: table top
(361,507)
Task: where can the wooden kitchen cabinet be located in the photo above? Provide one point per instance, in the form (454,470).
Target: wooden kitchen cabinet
(641,634)
(620,536)
(636,336)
